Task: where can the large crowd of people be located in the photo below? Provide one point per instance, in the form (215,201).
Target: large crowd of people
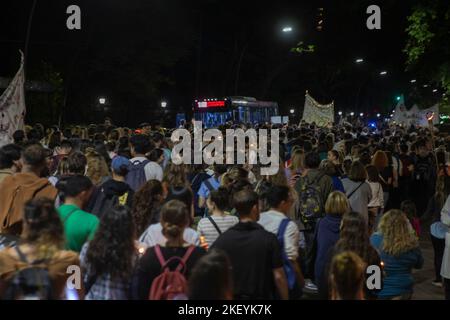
(109,201)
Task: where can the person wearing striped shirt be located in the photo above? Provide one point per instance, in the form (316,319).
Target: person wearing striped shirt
(218,221)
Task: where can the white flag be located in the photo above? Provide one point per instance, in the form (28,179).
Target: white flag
(12,106)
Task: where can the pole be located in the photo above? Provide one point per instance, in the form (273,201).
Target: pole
(27,37)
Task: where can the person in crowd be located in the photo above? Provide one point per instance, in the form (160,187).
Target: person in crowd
(330,170)
(140,146)
(398,247)
(97,168)
(79,226)
(19,137)
(19,188)
(147,203)
(174,219)
(211,278)
(60,151)
(62,170)
(357,190)
(210,184)
(175,175)
(336,158)
(327,232)
(154,168)
(42,243)
(255,253)
(114,191)
(108,260)
(347,277)
(296,167)
(381,162)
(280,200)
(313,179)
(217,221)
(424,178)
(405,178)
(445,268)
(77,163)
(153,235)
(376,204)
(10,164)
(196,177)
(160,143)
(353,237)
(409,208)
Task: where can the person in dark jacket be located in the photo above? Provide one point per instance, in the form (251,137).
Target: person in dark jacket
(327,232)
(114,187)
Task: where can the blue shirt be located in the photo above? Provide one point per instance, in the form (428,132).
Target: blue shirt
(398,278)
(204,191)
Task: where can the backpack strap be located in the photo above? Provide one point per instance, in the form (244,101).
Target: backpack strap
(214,224)
(185,257)
(21,255)
(208,185)
(159,255)
(67,217)
(281,230)
(356,189)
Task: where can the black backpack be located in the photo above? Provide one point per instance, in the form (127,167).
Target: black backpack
(422,170)
(104,204)
(30,283)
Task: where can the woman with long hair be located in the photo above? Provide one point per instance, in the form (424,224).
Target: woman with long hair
(42,239)
(147,202)
(97,168)
(398,247)
(175,175)
(376,205)
(353,237)
(381,161)
(109,258)
(174,220)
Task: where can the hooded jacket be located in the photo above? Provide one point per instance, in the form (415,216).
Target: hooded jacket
(15,191)
(117,188)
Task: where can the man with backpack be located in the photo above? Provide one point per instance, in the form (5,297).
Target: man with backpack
(313,190)
(140,169)
(275,221)
(21,187)
(254,253)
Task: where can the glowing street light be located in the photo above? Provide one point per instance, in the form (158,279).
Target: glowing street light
(292,111)
(163,104)
(352,113)
(359,60)
(435,90)
(102,100)
(361,114)
(413,81)
(383,73)
(287,29)
(340,113)
(378,115)
(425,86)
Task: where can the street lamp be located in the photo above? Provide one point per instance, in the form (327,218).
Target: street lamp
(413,81)
(352,113)
(163,104)
(378,115)
(340,113)
(292,111)
(435,90)
(102,100)
(383,73)
(359,60)
(361,114)
(287,29)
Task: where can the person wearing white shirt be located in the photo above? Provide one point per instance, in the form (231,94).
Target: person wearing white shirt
(153,170)
(280,201)
(153,236)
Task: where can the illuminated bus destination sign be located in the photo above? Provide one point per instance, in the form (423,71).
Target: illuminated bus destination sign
(210,104)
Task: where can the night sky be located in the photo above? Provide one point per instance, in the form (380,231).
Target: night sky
(137,53)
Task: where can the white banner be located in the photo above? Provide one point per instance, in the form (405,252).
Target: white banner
(12,106)
(415,116)
(321,114)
